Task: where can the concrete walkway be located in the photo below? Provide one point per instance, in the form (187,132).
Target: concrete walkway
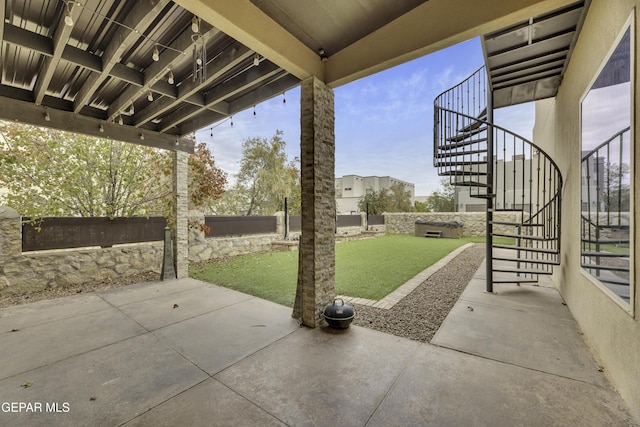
(186,353)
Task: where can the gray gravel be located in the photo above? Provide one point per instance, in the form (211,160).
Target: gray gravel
(419,315)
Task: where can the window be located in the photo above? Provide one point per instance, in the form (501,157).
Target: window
(607,184)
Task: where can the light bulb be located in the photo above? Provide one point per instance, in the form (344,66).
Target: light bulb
(195,25)
(256,60)
(120,121)
(156,54)
(170,78)
(68,20)
(150,96)
(199,61)
(101,128)
(131,109)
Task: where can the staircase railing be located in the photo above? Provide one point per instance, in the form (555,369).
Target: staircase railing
(515,175)
(605,225)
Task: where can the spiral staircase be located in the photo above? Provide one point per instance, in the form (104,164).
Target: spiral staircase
(520,183)
(606,219)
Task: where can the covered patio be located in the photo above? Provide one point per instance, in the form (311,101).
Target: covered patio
(190,353)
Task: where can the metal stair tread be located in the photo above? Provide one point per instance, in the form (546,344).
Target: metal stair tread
(461,143)
(604,267)
(523,236)
(521,270)
(520,248)
(526,260)
(603,254)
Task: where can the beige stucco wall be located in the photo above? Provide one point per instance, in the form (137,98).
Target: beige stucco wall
(612,332)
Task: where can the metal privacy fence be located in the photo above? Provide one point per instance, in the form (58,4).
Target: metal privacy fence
(220,226)
(65,233)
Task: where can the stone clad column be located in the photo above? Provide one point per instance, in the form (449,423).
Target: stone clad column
(316,262)
(181,213)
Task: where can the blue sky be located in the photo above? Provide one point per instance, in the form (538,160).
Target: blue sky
(383,125)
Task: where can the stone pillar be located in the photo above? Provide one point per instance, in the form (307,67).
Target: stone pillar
(10,241)
(316,262)
(181,213)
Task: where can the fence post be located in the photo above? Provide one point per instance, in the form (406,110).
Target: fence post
(286,219)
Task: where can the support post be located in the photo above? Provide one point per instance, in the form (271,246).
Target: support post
(181,213)
(316,262)
(490,193)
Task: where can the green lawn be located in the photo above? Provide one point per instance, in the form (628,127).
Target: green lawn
(369,268)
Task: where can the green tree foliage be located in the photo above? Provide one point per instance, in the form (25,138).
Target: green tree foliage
(393,199)
(442,200)
(265,178)
(53,173)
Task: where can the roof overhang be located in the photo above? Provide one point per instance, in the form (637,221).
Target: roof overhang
(91,66)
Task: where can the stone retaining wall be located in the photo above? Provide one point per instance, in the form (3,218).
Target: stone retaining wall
(34,271)
(474,222)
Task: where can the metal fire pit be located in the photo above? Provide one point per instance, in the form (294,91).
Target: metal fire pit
(339,316)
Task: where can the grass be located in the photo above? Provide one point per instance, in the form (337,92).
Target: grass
(369,268)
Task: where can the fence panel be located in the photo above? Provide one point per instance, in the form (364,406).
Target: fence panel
(349,220)
(295,223)
(376,219)
(220,226)
(64,233)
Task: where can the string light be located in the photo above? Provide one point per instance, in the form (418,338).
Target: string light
(101,128)
(156,54)
(120,121)
(68,19)
(47,117)
(256,60)
(170,79)
(131,109)
(195,24)
(150,96)
(254,111)
(284,99)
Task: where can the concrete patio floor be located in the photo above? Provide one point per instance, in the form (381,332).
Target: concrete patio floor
(187,353)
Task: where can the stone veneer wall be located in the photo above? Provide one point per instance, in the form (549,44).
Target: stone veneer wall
(203,248)
(316,262)
(474,222)
(35,271)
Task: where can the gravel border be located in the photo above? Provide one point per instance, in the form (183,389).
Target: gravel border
(419,315)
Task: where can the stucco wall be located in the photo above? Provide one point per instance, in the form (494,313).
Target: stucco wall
(612,332)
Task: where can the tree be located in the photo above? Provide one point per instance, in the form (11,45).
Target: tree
(393,199)
(265,178)
(206,181)
(442,200)
(377,202)
(53,173)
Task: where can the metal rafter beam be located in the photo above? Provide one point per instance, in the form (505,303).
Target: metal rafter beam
(49,64)
(158,70)
(232,56)
(142,15)
(246,23)
(265,71)
(44,46)
(27,112)
(261,94)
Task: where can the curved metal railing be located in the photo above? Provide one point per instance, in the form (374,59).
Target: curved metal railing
(606,209)
(518,177)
